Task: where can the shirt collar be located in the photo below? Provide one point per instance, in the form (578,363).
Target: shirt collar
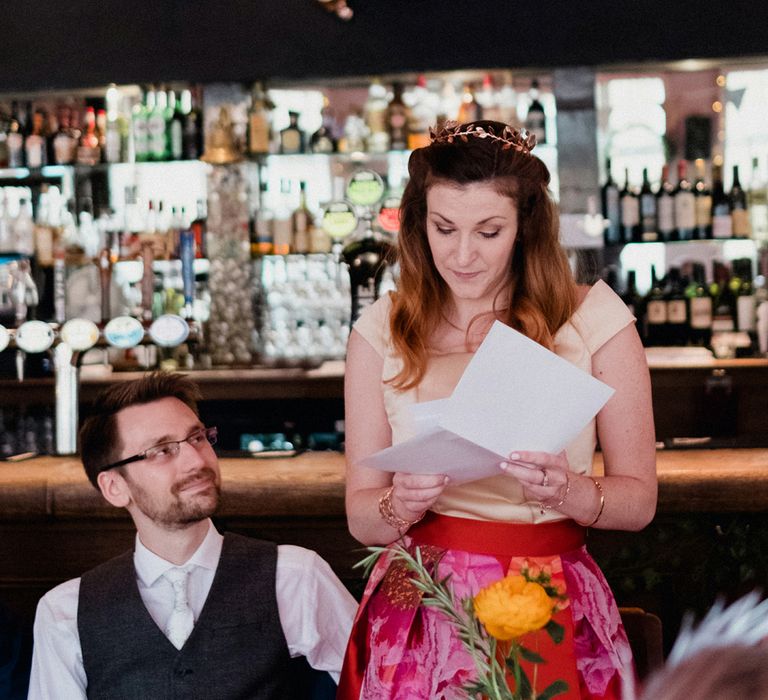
(150,567)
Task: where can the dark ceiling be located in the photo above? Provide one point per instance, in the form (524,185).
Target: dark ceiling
(50,44)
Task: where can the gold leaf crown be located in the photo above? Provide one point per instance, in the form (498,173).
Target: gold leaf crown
(520,140)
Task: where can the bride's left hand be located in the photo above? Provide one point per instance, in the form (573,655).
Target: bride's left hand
(544,476)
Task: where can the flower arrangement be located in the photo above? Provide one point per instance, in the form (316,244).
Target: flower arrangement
(491,624)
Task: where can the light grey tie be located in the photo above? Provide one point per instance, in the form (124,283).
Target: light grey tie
(182,619)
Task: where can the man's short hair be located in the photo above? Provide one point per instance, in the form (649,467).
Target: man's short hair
(100,441)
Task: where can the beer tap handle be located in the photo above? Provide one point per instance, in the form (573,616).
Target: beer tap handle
(105,277)
(147,282)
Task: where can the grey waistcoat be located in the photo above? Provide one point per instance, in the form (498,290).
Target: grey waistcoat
(237,649)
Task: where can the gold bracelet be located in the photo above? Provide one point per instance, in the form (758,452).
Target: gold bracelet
(390,517)
(547,506)
(602,501)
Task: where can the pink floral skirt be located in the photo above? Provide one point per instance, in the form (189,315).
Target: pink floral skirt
(399,649)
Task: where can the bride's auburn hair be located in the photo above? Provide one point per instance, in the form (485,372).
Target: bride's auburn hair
(540,295)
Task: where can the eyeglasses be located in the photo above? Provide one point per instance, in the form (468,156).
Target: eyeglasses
(164,451)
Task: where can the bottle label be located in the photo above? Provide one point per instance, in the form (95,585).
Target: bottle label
(676,311)
(685,210)
(290,140)
(703,210)
(258,133)
(666,215)
(745,312)
(721,225)
(630,211)
(701,312)
(177,140)
(656,312)
(740,223)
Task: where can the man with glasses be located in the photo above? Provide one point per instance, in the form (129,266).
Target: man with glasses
(189,613)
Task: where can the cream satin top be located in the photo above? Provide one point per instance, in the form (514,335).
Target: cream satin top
(599,317)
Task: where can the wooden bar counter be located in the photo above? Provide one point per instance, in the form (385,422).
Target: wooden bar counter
(54,525)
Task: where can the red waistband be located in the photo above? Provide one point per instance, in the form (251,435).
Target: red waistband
(497,538)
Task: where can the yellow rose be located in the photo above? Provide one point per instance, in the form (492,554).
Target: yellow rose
(513,606)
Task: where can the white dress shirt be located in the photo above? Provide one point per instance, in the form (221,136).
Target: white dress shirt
(315,610)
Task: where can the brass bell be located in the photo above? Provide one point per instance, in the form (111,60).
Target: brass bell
(220,143)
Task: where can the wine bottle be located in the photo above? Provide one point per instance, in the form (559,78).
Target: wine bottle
(665,207)
(649,230)
(724,300)
(737,199)
(721,208)
(630,211)
(685,205)
(703,203)
(609,195)
(677,309)
(699,308)
(655,312)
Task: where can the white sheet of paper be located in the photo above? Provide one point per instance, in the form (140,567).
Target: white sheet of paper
(514,395)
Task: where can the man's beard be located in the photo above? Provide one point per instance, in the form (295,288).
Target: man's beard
(176,513)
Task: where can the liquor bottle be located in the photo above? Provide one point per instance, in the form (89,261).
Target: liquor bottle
(375,114)
(259,127)
(648,224)
(35,147)
(139,117)
(630,211)
(113,138)
(535,119)
(24,229)
(665,206)
(737,198)
(488,100)
(15,139)
(64,142)
(88,149)
(507,103)
(353,138)
(262,241)
(397,119)
(685,205)
(192,136)
(703,203)
(757,200)
(721,208)
(157,142)
(175,127)
(302,220)
(677,309)
(469,108)
(422,115)
(323,141)
(724,300)
(699,308)
(655,312)
(609,195)
(282,224)
(292,138)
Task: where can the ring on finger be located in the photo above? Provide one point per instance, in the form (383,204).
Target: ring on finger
(545,478)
